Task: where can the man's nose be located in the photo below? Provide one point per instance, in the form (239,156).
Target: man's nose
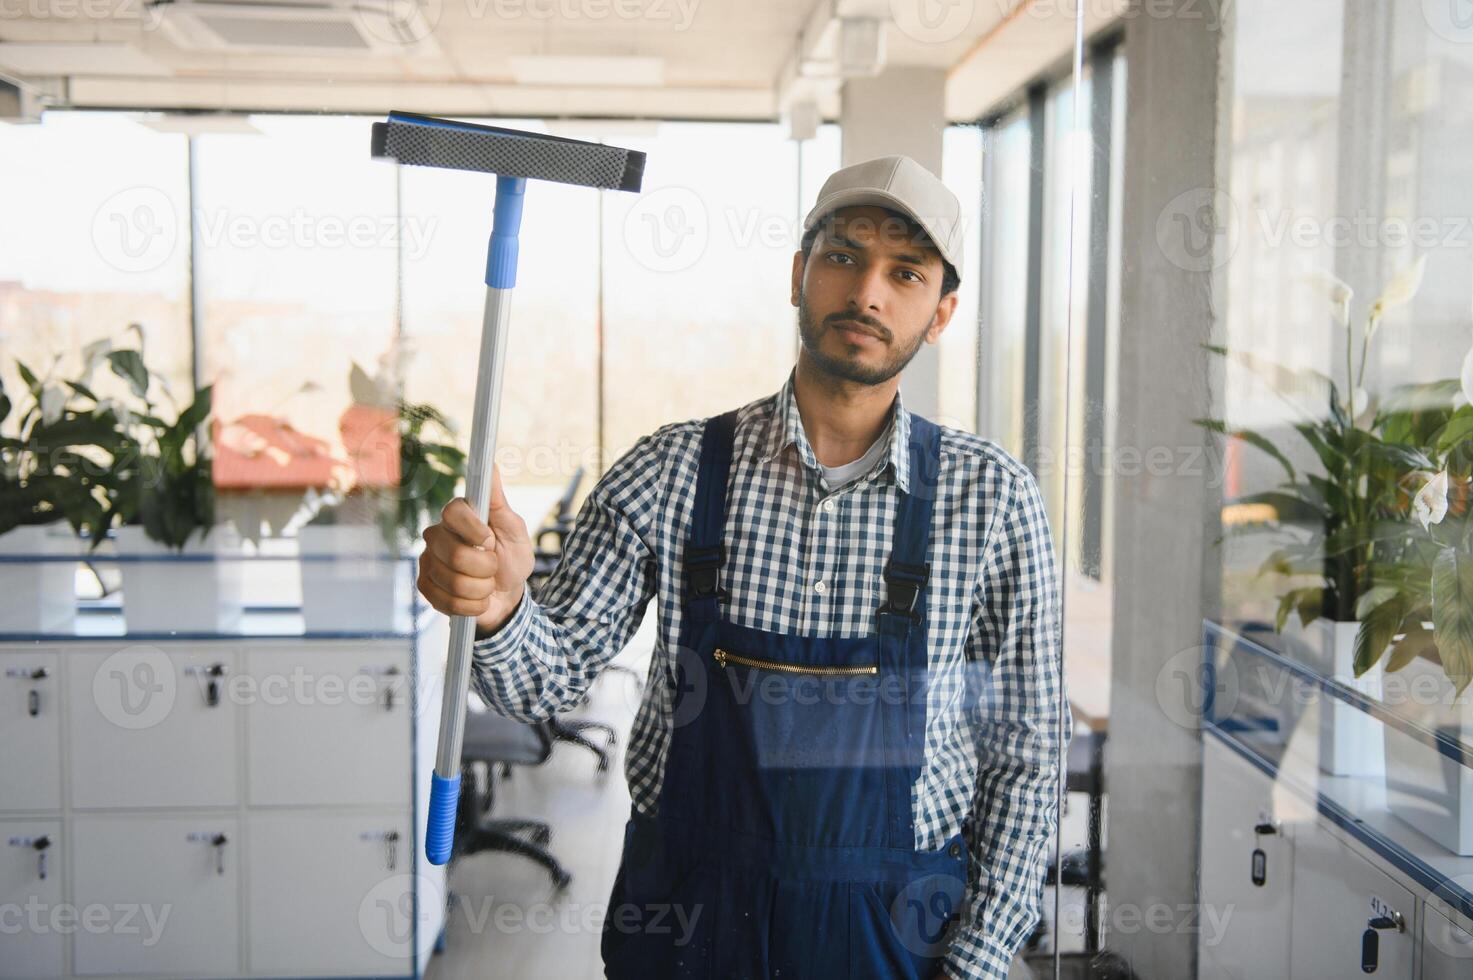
(868,292)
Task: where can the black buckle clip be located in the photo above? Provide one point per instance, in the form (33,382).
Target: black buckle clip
(903,584)
(703,572)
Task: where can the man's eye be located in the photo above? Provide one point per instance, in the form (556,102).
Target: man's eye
(914,276)
(840,256)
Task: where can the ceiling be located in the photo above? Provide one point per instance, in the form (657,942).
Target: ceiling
(718,59)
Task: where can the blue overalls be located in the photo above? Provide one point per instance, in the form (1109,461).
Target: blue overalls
(784,843)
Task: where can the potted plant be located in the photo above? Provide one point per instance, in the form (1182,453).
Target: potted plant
(56,471)
(1418,613)
(181,572)
(403,468)
(1348,513)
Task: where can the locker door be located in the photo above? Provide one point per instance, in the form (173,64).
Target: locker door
(328,724)
(1244,926)
(32,927)
(331,894)
(30,731)
(1338,896)
(145,730)
(176,881)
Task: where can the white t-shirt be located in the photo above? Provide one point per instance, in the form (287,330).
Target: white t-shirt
(837,476)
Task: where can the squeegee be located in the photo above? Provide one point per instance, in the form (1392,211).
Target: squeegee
(514,157)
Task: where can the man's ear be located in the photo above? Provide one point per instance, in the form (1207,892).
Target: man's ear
(797,285)
(944,310)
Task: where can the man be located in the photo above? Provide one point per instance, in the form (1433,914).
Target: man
(843,764)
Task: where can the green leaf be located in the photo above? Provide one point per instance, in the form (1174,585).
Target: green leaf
(1452,614)
(1458,429)
(1419,641)
(1377,627)
(1403,457)
(128,365)
(1291,507)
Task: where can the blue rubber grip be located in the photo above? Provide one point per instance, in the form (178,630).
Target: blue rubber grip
(440,832)
(501,257)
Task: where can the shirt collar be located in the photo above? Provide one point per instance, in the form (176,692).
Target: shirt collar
(785,428)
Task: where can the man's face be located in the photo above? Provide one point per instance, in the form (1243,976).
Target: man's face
(868,295)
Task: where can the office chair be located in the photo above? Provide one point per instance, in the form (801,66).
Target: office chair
(493,740)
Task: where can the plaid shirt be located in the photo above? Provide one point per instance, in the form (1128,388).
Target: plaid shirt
(803,557)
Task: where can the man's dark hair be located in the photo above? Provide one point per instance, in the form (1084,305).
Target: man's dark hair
(914,233)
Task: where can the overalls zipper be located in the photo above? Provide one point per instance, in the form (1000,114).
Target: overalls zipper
(723,657)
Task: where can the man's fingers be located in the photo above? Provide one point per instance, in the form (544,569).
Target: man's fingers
(455,584)
(498,495)
(446,603)
(452,552)
(465,522)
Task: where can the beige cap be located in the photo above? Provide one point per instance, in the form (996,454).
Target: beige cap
(901,184)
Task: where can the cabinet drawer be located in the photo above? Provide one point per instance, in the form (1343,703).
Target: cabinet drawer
(30,731)
(178,882)
(1337,893)
(327,896)
(145,730)
(33,925)
(328,725)
(1245,926)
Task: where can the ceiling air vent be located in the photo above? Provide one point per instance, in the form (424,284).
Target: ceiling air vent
(300,26)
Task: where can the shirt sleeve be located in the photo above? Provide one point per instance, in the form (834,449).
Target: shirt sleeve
(1015,644)
(544,657)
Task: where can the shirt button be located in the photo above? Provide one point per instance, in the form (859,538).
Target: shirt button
(828,506)
(955,850)
(820,587)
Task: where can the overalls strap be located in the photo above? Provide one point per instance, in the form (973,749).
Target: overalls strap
(908,571)
(704,553)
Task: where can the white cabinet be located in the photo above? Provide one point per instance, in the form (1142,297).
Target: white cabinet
(1338,896)
(169,891)
(153,727)
(328,725)
(331,893)
(30,731)
(33,920)
(1237,820)
(226,806)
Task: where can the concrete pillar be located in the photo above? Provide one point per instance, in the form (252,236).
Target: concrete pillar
(901,110)
(1165,517)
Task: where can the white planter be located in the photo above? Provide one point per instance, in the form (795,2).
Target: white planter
(350,580)
(198,589)
(1425,788)
(38,597)
(1351,742)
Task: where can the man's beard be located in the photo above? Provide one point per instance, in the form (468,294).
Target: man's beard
(849,369)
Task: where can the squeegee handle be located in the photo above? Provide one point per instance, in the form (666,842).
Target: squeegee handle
(501,276)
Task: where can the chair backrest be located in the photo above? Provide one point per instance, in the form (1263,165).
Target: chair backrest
(562,521)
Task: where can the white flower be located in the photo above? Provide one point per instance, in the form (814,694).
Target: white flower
(1359,399)
(1467,377)
(1398,291)
(1340,294)
(1430,505)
